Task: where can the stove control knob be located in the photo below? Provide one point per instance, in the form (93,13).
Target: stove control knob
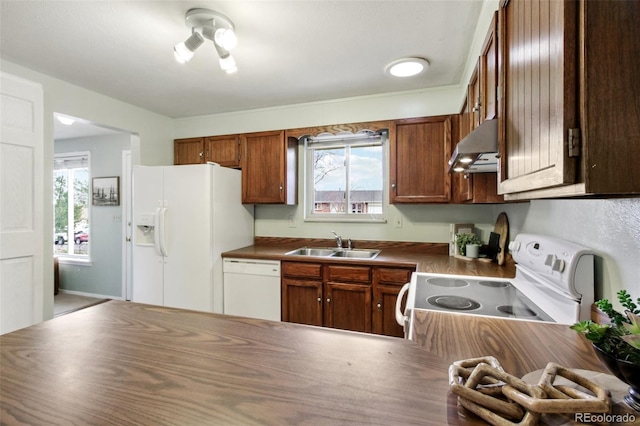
(558,265)
(555,263)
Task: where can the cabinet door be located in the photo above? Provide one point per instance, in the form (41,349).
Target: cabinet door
(462,183)
(302,301)
(475,97)
(386,286)
(488,70)
(188,151)
(268,163)
(539,86)
(347,306)
(224,150)
(420,151)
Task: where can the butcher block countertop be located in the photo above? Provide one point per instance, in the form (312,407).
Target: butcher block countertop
(126,363)
(425,257)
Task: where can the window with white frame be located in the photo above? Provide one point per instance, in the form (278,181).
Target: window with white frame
(344,176)
(71,195)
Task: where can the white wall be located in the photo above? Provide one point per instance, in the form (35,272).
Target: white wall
(155,132)
(611,227)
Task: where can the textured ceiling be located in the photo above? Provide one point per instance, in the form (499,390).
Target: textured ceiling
(288,51)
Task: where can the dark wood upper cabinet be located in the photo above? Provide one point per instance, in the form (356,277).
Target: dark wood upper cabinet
(188,151)
(569,98)
(224,150)
(419,151)
(269,168)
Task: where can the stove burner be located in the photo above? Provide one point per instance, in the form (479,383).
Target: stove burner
(494,284)
(447,282)
(520,312)
(457,303)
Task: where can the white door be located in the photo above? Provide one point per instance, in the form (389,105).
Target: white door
(21,203)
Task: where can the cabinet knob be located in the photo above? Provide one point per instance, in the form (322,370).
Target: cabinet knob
(319,299)
(328,300)
(201,154)
(379,306)
(393,185)
(281,187)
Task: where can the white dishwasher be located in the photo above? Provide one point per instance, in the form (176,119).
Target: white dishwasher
(252,288)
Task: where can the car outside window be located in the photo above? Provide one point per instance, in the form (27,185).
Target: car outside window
(71,205)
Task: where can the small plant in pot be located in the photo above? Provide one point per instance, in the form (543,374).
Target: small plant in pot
(617,344)
(463,239)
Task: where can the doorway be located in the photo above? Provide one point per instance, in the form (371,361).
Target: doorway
(97,264)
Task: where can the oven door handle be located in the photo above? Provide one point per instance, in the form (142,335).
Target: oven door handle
(400,317)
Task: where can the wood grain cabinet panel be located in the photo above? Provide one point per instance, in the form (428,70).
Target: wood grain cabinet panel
(386,286)
(568,108)
(419,154)
(347,306)
(302,301)
(330,295)
(269,168)
(188,151)
(224,150)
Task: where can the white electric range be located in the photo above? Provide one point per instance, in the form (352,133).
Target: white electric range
(554,282)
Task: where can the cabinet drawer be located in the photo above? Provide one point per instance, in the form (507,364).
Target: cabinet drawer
(351,274)
(303,270)
(397,276)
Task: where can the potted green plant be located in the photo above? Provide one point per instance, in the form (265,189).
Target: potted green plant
(617,344)
(462,240)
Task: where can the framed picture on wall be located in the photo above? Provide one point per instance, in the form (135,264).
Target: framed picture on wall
(106,191)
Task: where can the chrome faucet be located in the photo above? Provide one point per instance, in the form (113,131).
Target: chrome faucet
(338,239)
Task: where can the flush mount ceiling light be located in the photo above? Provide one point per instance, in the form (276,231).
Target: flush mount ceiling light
(210,25)
(67,121)
(407,67)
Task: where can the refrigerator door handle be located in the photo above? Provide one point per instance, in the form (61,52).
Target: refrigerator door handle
(156,232)
(161,231)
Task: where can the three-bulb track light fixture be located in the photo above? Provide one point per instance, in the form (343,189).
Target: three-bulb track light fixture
(210,25)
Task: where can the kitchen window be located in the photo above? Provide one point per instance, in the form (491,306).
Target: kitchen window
(345,177)
(71,195)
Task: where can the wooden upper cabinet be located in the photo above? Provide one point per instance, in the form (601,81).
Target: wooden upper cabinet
(474,97)
(488,71)
(419,153)
(269,168)
(224,150)
(569,109)
(188,151)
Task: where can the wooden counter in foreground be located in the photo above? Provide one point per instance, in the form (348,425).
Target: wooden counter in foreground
(126,363)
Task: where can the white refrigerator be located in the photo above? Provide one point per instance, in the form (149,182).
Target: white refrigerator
(184,217)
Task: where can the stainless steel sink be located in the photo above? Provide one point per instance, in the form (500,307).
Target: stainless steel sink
(334,252)
(356,253)
(305,251)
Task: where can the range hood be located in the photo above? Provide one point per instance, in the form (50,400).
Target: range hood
(478,151)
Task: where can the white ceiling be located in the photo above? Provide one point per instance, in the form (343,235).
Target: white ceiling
(288,51)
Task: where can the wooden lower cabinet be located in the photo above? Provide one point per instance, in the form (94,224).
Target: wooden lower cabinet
(387,283)
(302,301)
(348,297)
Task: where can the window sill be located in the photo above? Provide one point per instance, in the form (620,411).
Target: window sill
(345,220)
